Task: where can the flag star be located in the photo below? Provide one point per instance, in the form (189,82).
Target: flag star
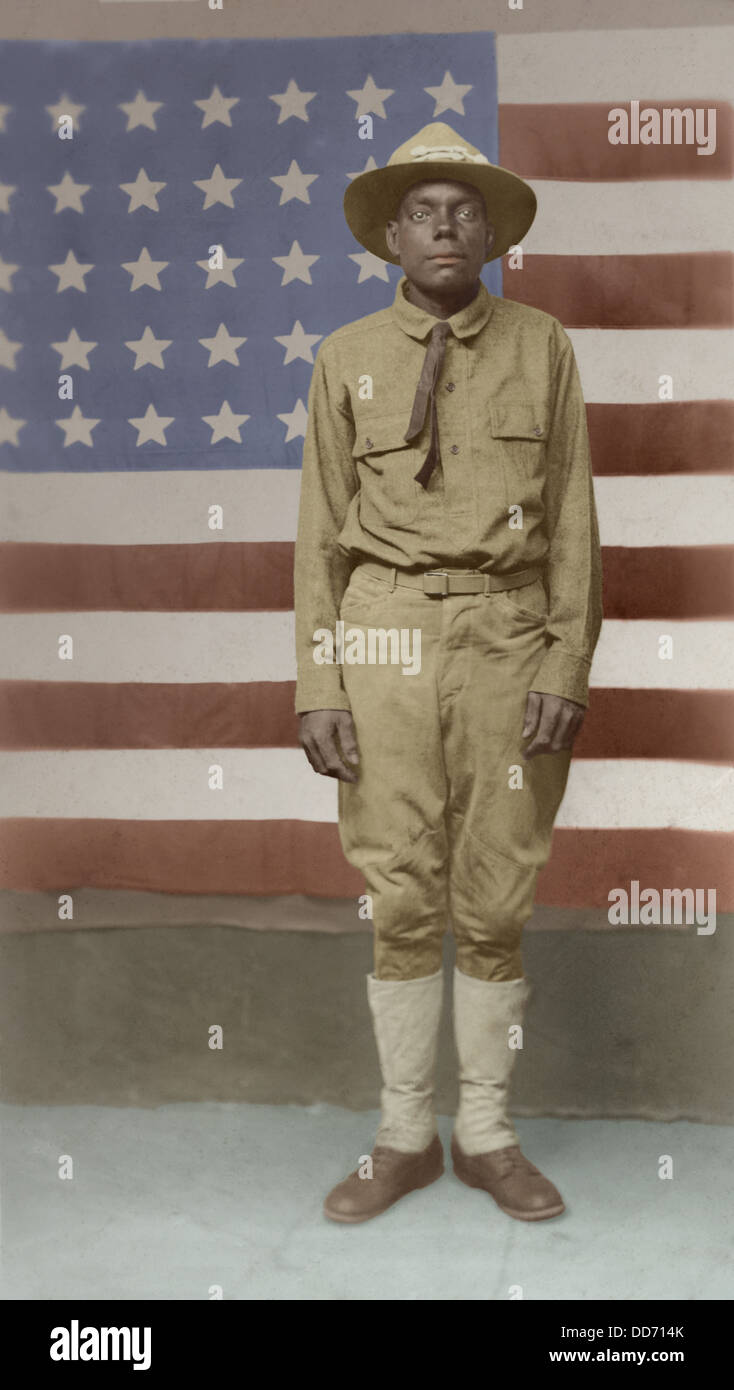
(369,166)
(71,273)
(143,193)
(68,194)
(370,99)
(216,108)
(74,352)
(369,266)
(296,265)
(140,111)
(65,107)
(297,343)
(292,102)
(7,271)
(4,112)
(222,347)
(296,420)
(8,351)
(218,189)
(77,429)
(9,427)
(294,184)
(6,192)
(449,96)
(225,425)
(144,271)
(151,426)
(148,349)
(223,274)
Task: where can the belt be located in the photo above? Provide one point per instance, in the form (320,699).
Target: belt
(442,581)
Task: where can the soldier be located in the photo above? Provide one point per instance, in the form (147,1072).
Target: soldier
(447,487)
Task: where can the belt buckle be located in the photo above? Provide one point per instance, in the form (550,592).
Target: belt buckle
(431,574)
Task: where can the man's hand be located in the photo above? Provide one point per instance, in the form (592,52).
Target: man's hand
(319,731)
(553,720)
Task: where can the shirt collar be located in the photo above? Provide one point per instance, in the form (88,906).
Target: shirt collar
(418,322)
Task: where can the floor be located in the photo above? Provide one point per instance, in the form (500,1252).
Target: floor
(197,1201)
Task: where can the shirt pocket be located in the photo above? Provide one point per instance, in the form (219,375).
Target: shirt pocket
(519,431)
(386,464)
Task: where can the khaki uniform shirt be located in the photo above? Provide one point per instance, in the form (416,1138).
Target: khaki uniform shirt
(512,432)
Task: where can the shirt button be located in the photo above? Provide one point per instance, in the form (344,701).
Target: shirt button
(454,448)
(537,430)
(450,386)
(368,443)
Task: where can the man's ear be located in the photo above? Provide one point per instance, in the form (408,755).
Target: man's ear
(491,235)
(391,237)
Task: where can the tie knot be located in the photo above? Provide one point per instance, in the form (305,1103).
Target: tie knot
(440,330)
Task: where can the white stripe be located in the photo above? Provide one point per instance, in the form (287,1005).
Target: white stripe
(279,784)
(627,656)
(206,647)
(674,66)
(684,509)
(124,509)
(624,365)
(159,508)
(635,218)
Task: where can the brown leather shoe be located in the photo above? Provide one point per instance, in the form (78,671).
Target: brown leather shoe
(393,1175)
(518,1187)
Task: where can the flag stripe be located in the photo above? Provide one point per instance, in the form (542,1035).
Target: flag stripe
(624,366)
(656,439)
(251,857)
(662,437)
(612,219)
(599,64)
(670,582)
(555,141)
(683,290)
(278,783)
(686,724)
(249,647)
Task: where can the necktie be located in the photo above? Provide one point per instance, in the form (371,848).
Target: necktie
(432,364)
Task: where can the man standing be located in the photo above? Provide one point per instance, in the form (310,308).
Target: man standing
(447,490)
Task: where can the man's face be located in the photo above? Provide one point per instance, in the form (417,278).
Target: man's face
(442,235)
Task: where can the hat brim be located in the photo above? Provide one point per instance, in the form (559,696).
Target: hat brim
(372,199)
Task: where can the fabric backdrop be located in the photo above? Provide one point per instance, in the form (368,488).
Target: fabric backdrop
(153,411)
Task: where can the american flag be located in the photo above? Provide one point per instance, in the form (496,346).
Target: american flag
(167,274)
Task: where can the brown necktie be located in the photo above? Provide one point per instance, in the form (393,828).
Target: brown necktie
(432,364)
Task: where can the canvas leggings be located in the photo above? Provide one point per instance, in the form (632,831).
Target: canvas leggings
(446,821)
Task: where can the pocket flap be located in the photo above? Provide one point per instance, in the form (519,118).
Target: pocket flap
(519,420)
(381,436)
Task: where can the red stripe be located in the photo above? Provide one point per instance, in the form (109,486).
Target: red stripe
(556,141)
(650,582)
(58,855)
(676,724)
(687,290)
(661,437)
(669,582)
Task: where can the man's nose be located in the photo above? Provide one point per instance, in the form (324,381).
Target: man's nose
(443,225)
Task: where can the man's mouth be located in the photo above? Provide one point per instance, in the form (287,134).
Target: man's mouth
(449,258)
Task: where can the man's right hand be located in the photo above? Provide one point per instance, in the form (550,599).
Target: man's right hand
(319,731)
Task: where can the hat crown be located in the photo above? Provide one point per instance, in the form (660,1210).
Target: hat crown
(437,142)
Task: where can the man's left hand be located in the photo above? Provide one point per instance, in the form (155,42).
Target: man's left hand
(554,722)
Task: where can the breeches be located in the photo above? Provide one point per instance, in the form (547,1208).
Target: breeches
(446,821)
